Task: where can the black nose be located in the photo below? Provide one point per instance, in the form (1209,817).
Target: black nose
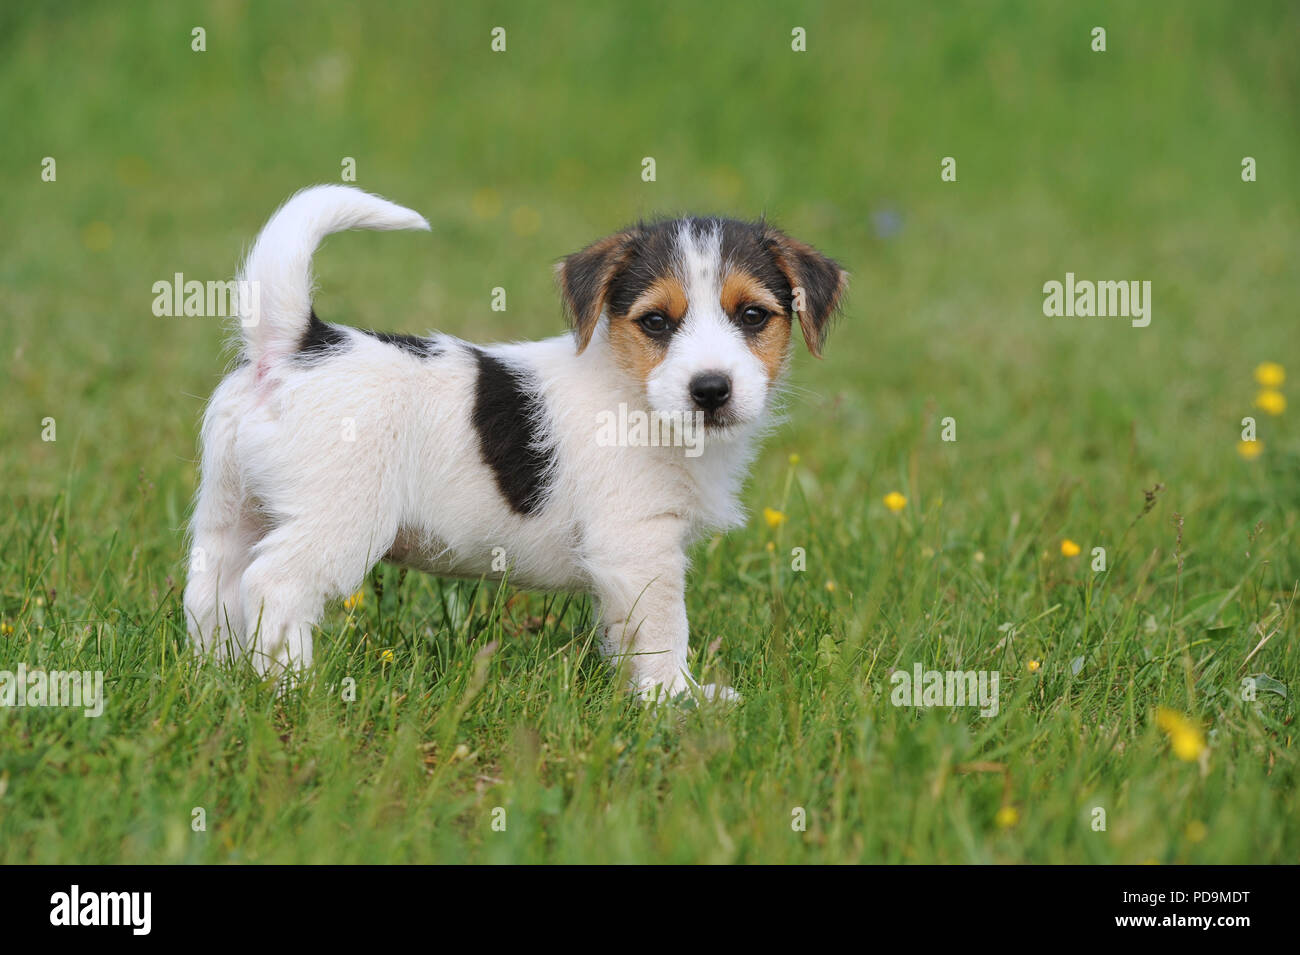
(710,390)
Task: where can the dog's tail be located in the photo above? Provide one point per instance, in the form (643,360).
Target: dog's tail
(275,284)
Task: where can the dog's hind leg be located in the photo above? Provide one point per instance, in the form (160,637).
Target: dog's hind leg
(223,530)
(296,568)
(221,551)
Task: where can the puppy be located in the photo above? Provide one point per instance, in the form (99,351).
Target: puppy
(330,448)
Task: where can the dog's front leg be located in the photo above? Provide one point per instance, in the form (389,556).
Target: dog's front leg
(640,588)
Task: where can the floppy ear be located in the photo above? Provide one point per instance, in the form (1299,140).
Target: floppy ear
(816,281)
(584,282)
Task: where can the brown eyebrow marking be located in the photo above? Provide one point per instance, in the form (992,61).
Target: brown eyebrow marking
(635,353)
(664,295)
(772,346)
(744,288)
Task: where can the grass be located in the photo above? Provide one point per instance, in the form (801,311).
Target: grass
(1117,165)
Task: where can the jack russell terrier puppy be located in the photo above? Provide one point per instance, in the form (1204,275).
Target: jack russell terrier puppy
(329,449)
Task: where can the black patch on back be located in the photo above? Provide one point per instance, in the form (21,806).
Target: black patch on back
(509,416)
(411,344)
(320,340)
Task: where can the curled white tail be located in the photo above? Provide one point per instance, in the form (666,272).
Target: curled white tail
(276,277)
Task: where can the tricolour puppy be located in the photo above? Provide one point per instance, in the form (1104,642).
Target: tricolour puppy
(583,462)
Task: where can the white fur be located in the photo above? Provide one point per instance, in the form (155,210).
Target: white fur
(279,266)
(290,513)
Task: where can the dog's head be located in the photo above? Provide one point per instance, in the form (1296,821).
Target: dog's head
(701,311)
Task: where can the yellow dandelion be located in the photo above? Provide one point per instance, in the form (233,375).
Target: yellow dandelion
(895,501)
(1196,831)
(1270,374)
(830,586)
(387,656)
(794,459)
(1250,450)
(1185,736)
(1035,666)
(774,518)
(1007,817)
(355,601)
(1270,401)
(1069,548)
(6,628)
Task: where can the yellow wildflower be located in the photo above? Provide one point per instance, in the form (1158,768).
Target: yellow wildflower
(1270,401)
(1007,817)
(1035,666)
(774,518)
(1270,374)
(895,501)
(1185,737)
(1069,548)
(355,601)
(1250,450)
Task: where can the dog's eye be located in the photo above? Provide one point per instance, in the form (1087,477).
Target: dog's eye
(753,316)
(653,324)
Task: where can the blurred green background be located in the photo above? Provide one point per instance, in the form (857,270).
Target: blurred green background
(1117,165)
(1123,164)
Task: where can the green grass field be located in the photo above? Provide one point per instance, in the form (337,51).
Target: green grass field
(1123,164)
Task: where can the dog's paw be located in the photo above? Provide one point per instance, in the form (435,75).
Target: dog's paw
(684,691)
(651,690)
(718,693)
